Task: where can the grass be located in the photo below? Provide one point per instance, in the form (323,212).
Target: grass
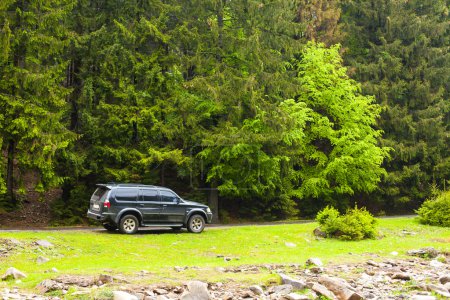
(93,252)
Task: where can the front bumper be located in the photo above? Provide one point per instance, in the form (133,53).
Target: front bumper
(209,217)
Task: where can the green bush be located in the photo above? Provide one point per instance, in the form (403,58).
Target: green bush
(436,211)
(356,224)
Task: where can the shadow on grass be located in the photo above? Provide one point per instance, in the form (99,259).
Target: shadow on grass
(147,231)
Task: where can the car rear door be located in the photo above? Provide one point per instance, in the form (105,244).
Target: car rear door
(150,206)
(172,211)
(97,199)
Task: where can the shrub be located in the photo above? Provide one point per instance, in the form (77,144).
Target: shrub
(356,224)
(436,211)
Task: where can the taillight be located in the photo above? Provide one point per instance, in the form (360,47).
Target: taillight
(106,204)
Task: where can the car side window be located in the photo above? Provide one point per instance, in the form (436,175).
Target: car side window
(149,195)
(126,194)
(167,196)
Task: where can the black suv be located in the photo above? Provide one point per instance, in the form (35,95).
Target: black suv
(128,206)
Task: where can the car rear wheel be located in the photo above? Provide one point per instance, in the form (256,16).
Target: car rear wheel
(110,227)
(196,224)
(129,224)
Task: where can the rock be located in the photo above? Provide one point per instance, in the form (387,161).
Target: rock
(13,273)
(447,286)
(179,269)
(444,279)
(314,262)
(316,270)
(294,296)
(401,276)
(427,252)
(441,290)
(340,288)
(160,291)
(394,253)
(296,283)
(227,258)
(197,290)
(436,264)
(322,290)
(372,263)
(319,233)
(42,260)
(44,244)
(105,278)
(257,290)
(119,295)
(422,297)
(283,289)
(290,245)
(49,285)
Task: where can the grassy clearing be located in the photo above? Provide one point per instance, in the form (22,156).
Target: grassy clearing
(91,253)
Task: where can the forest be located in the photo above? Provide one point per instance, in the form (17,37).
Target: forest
(264,109)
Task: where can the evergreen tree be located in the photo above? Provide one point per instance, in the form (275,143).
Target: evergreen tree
(399,51)
(32,98)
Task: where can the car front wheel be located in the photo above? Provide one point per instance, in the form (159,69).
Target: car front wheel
(196,224)
(129,224)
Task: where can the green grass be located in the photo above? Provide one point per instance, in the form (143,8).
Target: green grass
(91,253)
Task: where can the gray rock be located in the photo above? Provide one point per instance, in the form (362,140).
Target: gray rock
(120,295)
(436,264)
(283,289)
(294,296)
(427,252)
(160,291)
(340,288)
(296,283)
(372,263)
(13,273)
(44,244)
(447,286)
(257,290)
(322,290)
(319,233)
(197,290)
(314,261)
(105,278)
(42,260)
(441,290)
(444,279)
(50,285)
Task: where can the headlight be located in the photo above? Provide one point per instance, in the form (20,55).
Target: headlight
(208,210)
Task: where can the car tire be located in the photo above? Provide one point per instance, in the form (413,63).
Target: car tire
(129,224)
(110,227)
(196,224)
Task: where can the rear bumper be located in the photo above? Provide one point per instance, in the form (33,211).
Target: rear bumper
(95,216)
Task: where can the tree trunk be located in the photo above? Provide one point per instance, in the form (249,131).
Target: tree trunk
(10,173)
(213,202)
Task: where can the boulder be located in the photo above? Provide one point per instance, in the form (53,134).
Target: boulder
(49,285)
(340,288)
(322,290)
(13,273)
(44,244)
(427,252)
(314,261)
(120,295)
(296,283)
(197,290)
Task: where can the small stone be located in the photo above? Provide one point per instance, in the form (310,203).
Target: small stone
(160,291)
(178,269)
(294,296)
(322,290)
(447,286)
(227,258)
(438,290)
(283,289)
(436,264)
(316,270)
(422,297)
(401,276)
(444,279)
(372,263)
(319,233)
(49,285)
(314,262)
(42,260)
(44,244)
(290,245)
(105,278)
(257,290)
(394,253)
(197,290)
(427,252)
